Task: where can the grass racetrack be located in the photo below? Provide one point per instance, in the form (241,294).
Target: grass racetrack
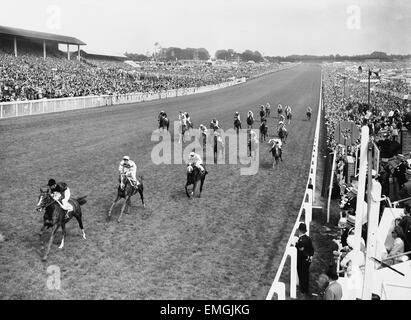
(225,245)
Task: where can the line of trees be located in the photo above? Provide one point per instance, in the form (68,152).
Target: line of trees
(174,53)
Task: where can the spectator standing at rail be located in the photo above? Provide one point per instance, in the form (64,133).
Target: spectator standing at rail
(334,289)
(305,252)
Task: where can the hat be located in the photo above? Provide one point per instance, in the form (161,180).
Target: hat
(126,158)
(302,227)
(51,182)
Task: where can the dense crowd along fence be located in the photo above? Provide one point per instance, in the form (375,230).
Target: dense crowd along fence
(33,107)
(277,286)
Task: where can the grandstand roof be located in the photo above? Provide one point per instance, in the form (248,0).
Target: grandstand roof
(39,35)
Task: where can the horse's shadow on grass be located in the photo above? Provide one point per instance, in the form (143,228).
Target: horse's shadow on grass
(135,209)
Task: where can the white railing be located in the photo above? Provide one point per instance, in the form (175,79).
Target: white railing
(32,107)
(277,286)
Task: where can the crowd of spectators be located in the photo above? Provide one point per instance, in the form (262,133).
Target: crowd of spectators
(389,112)
(30,77)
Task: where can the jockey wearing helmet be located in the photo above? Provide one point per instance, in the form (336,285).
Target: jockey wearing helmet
(128,168)
(162,114)
(280,108)
(237,116)
(195,159)
(182,118)
(274,142)
(202,129)
(309,110)
(60,191)
(214,124)
(267,106)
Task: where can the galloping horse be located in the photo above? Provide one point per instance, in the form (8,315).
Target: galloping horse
(55,216)
(308,115)
(263,131)
(194,176)
(250,121)
(288,114)
(277,153)
(262,114)
(280,110)
(283,134)
(237,125)
(127,192)
(267,110)
(164,123)
(183,129)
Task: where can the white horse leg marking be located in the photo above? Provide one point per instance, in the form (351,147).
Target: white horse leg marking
(62,243)
(40,200)
(84,234)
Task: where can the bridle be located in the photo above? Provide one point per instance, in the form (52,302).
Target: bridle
(42,206)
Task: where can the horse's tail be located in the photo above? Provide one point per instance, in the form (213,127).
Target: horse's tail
(82,200)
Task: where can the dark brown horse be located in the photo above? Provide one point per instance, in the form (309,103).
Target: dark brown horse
(55,216)
(163,123)
(126,193)
(277,154)
(194,177)
(263,131)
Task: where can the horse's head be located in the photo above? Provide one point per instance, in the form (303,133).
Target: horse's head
(190,169)
(44,200)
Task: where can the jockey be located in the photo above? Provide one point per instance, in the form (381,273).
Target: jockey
(195,159)
(128,168)
(280,108)
(288,109)
(182,118)
(276,141)
(309,110)
(187,117)
(262,111)
(202,129)
(237,116)
(282,118)
(250,114)
(214,124)
(267,106)
(162,114)
(60,191)
(281,126)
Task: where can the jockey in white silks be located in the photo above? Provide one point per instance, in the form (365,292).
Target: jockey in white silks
(202,129)
(237,116)
(128,168)
(195,159)
(275,141)
(61,192)
(182,118)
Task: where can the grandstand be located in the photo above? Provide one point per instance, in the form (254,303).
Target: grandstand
(14,40)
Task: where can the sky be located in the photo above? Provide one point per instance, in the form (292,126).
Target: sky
(273,27)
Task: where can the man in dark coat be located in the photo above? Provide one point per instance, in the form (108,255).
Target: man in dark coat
(305,252)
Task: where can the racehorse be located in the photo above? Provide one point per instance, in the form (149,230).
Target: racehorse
(250,121)
(283,134)
(262,115)
(183,129)
(55,217)
(308,115)
(263,131)
(279,110)
(126,193)
(237,125)
(218,146)
(164,123)
(267,111)
(194,176)
(288,115)
(277,154)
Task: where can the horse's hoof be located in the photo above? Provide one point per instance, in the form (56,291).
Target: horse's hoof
(61,247)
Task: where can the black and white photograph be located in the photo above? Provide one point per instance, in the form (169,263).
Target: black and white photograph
(216,151)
